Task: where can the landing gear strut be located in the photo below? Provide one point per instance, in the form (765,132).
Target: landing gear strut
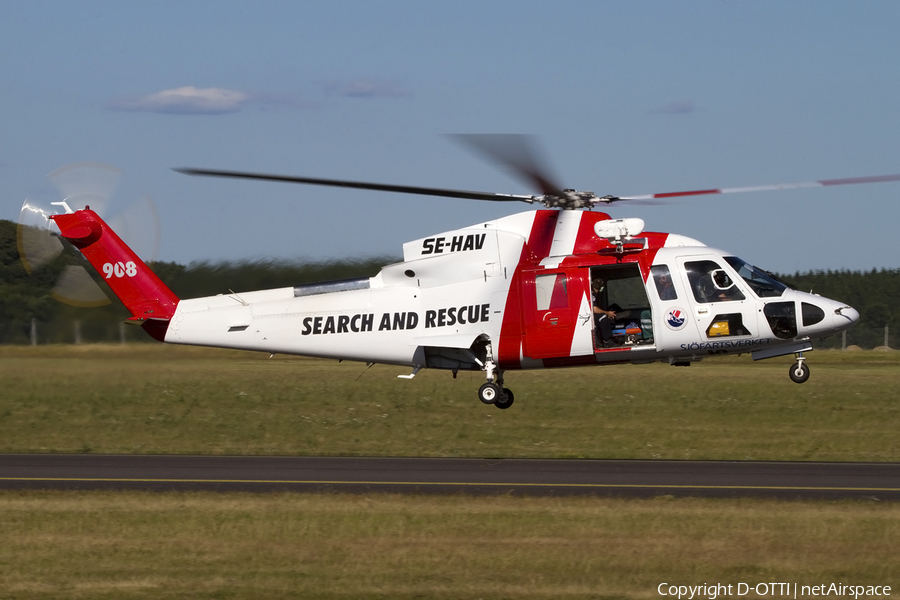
(493,391)
(799,372)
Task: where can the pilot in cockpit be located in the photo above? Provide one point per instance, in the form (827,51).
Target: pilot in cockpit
(717,286)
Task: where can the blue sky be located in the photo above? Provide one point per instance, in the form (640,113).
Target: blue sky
(626,98)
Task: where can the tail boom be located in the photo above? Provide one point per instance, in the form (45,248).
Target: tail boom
(151,303)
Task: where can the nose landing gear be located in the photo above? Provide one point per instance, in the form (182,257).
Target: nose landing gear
(493,391)
(799,372)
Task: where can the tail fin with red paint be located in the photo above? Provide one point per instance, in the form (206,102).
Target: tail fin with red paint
(150,302)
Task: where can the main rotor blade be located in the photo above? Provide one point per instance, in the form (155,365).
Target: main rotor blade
(380,187)
(517,152)
(768,188)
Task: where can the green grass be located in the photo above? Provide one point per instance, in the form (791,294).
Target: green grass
(132,545)
(144,398)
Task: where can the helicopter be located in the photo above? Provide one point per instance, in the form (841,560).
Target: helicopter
(562,286)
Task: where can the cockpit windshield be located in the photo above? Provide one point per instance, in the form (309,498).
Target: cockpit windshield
(762,284)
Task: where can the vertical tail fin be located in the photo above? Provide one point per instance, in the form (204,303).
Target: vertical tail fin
(150,302)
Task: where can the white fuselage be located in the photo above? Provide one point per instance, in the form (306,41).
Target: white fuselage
(470,286)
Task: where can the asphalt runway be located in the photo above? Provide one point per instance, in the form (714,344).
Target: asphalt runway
(450,475)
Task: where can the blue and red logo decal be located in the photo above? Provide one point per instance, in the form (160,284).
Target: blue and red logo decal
(676,319)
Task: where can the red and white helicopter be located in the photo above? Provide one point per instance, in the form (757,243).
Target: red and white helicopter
(557,287)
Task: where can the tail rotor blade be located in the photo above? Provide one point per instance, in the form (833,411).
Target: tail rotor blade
(138,226)
(76,287)
(36,241)
(83,184)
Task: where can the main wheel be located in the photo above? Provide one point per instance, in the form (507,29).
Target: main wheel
(489,392)
(506,400)
(799,372)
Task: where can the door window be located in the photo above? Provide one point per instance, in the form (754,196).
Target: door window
(551,291)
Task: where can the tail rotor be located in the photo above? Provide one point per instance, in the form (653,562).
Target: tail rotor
(81,185)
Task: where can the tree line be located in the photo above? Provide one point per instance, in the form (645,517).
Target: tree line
(26,299)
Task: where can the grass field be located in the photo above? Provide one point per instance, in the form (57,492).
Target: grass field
(232,546)
(148,398)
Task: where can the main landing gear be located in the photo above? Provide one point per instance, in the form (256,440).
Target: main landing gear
(799,372)
(493,391)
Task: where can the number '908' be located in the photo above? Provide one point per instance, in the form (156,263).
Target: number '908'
(119,269)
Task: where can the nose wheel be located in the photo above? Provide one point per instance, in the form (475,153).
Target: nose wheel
(491,393)
(799,372)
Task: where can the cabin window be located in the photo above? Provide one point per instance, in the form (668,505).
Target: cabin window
(663,279)
(710,282)
(782,318)
(727,325)
(812,314)
(551,291)
(762,284)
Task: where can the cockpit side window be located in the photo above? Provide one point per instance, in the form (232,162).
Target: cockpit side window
(710,282)
(762,284)
(663,280)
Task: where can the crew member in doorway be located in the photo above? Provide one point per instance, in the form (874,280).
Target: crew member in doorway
(603,319)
